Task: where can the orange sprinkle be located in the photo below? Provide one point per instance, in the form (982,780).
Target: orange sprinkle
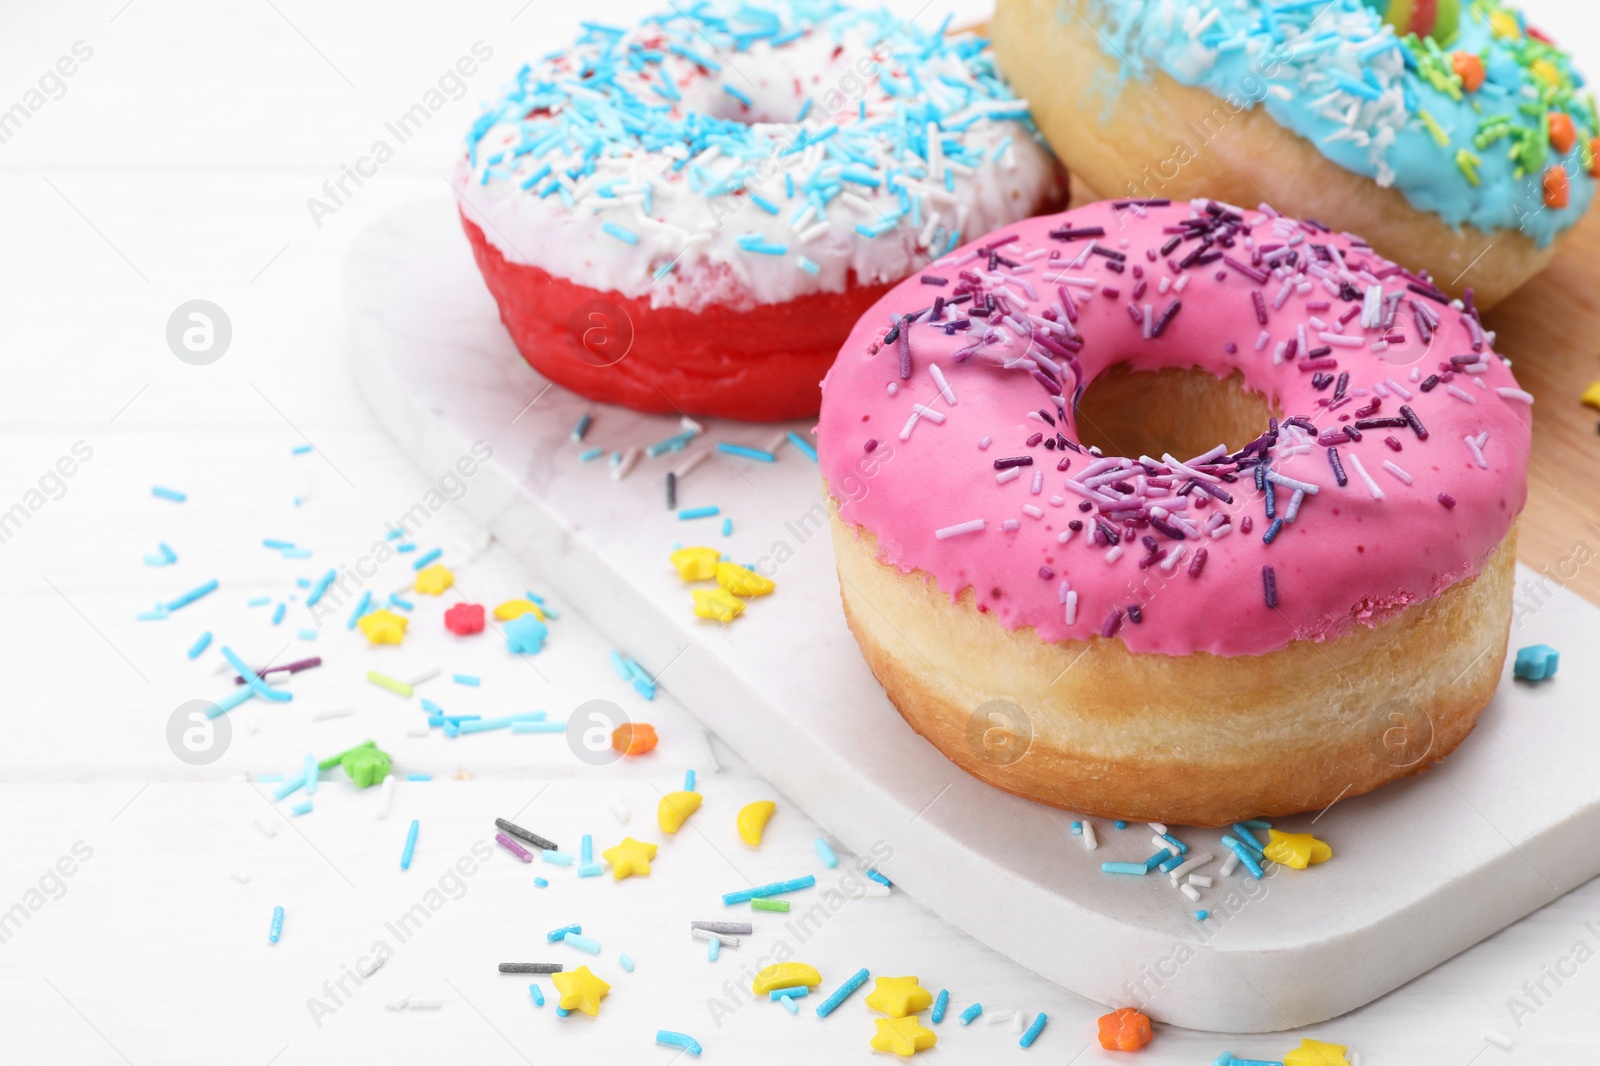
(1556,188)
(1594,157)
(1469,68)
(1124,1030)
(634,738)
(1563,134)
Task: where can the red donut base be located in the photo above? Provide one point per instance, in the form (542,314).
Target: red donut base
(761,365)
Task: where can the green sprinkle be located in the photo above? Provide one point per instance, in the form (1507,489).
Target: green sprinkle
(1434,128)
(1469,165)
(399,688)
(781,905)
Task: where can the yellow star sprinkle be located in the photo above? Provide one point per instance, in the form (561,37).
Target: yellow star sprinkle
(903,1036)
(1296,850)
(433,580)
(1316,1053)
(512,609)
(741,581)
(675,808)
(1591,395)
(717,603)
(383,627)
(696,564)
(898,997)
(629,858)
(580,990)
(1504,24)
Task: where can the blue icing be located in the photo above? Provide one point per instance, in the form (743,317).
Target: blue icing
(1335,74)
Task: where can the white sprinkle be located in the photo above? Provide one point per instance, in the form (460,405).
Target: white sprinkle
(1230,864)
(372,964)
(1190,891)
(894,388)
(1038,482)
(1161,842)
(1516,394)
(998,1017)
(1010,473)
(1372,486)
(1462,394)
(424,677)
(1158,827)
(689,425)
(1397,472)
(1173,556)
(620,810)
(1166,284)
(1031,511)
(1399,390)
(241,877)
(1064,536)
(1070,609)
(974,526)
(911,423)
(1114,554)
(1200,880)
(1010,525)
(984,442)
(1148,318)
(1416,373)
(807,236)
(338,712)
(1477,453)
(944,386)
(423,1003)
(630,458)
(929,413)
(1499,1040)
(684,468)
(1261,341)
(1058,501)
(1181,284)
(1192,862)
(1290,483)
(386,795)
(1090,841)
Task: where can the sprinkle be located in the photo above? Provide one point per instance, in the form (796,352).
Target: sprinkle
(1133,869)
(1447,500)
(581,942)
(277,925)
(974,526)
(1516,395)
(744,895)
(1034,1030)
(857,979)
(466,679)
(621,233)
(1269,586)
(826,853)
(680,1040)
(399,688)
(698,512)
(948,394)
(971,1013)
(746,452)
(161,493)
(1477,452)
(802,445)
(411,845)
(202,642)
(532,967)
(581,428)
(941,1003)
(1361,471)
(1397,472)
(522,834)
(780,905)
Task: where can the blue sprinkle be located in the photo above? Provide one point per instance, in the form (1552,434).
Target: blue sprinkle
(202,642)
(396,601)
(727,527)
(808,266)
(427,558)
(362,605)
(540,882)
(698,512)
(278,612)
(1034,1030)
(625,962)
(970,1013)
(592,453)
(258,601)
(161,493)
(746,452)
(621,233)
(307,634)
(303,807)
(803,445)
(1202,915)
(688,781)
(683,1040)
(465,679)
(738,95)
(536,992)
(419,777)
(300,449)
(765,204)
(941,1003)
(829,859)
(581,428)
(1136,869)
(857,979)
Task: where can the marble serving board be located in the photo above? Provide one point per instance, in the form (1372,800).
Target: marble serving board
(1423,869)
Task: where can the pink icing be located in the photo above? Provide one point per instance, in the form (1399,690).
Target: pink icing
(1348,558)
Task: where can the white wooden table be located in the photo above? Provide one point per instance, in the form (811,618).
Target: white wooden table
(175,164)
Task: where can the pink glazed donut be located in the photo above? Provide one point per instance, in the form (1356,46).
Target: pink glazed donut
(1312,601)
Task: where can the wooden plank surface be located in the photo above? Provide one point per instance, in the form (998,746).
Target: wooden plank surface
(1550,330)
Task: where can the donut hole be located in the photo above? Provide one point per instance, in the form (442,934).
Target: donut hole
(1185,412)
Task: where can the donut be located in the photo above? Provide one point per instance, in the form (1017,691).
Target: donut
(689,214)
(1312,601)
(1456,138)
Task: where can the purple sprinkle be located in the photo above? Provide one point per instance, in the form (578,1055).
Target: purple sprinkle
(1007,464)
(1033,441)
(1083,233)
(1338,468)
(1135,613)
(1269,586)
(1075,525)
(1245,525)
(905,348)
(1393,443)
(929,279)
(1339,386)
(1390,422)
(1448,500)
(1046,573)
(1308,365)
(1260,305)
(872,444)
(1414,422)
(1273,531)
(1165,317)
(1198,563)
(1112,623)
